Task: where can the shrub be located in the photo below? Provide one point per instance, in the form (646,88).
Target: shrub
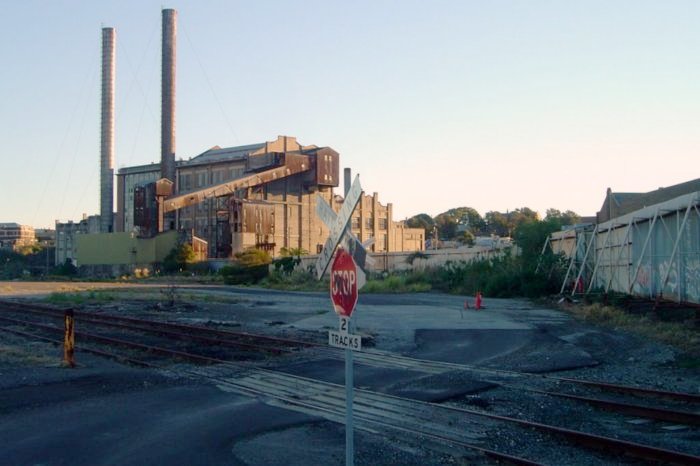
(179,258)
(250,266)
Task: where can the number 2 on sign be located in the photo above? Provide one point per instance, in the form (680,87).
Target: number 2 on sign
(344,325)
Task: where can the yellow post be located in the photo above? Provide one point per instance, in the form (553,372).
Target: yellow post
(68,338)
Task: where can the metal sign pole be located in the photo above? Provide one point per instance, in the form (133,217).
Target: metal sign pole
(349,385)
(349,437)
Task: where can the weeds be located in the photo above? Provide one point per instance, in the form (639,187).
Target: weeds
(682,335)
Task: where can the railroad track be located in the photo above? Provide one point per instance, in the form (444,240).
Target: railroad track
(512,380)
(441,423)
(249,343)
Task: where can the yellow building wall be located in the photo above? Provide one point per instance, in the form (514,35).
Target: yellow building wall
(123,248)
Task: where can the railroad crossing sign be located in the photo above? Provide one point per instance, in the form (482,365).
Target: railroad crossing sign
(346,279)
(343,283)
(357,249)
(337,226)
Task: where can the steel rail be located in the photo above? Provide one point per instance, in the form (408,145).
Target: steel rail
(119,342)
(629,389)
(289,400)
(157,328)
(633,449)
(108,317)
(81,348)
(660,414)
(606,386)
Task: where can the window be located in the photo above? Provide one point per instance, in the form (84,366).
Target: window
(369,222)
(382,223)
(356,223)
(186,182)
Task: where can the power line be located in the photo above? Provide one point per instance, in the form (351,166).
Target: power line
(204,72)
(80,136)
(49,180)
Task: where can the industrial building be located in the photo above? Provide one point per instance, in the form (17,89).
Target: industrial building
(223,200)
(268,214)
(646,244)
(14,236)
(67,237)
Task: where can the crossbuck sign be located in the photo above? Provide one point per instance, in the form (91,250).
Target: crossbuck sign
(337,225)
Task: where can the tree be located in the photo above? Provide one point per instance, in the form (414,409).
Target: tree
(67,268)
(179,257)
(562,219)
(469,217)
(497,223)
(466,237)
(424,221)
(501,224)
(454,222)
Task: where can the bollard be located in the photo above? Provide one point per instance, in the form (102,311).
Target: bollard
(477,301)
(69,338)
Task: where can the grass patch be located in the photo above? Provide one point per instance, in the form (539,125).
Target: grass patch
(298,280)
(682,335)
(396,284)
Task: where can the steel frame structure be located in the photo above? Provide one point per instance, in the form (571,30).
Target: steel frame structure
(670,248)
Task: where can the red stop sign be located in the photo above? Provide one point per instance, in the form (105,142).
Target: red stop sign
(343,283)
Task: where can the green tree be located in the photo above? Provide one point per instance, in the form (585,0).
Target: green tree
(454,222)
(179,258)
(566,218)
(496,223)
(424,221)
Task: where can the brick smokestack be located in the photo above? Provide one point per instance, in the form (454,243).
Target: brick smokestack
(167,123)
(107,131)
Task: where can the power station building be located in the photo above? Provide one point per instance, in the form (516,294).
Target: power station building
(268,214)
(224,200)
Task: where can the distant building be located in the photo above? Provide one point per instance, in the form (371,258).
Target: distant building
(45,237)
(618,204)
(66,244)
(14,236)
(645,244)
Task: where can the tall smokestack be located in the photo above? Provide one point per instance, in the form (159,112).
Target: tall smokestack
(107,131)
(167,123)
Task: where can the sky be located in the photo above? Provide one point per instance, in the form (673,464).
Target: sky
(494,105)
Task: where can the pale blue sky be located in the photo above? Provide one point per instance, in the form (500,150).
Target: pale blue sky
(490,104)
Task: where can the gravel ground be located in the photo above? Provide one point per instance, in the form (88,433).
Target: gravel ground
(33,385)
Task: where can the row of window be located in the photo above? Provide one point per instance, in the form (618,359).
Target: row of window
(201,179)
(383,223)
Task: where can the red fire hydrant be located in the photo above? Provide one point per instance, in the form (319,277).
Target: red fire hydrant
(477,301)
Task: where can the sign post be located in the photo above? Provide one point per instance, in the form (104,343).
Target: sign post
(344,297)
(346,280)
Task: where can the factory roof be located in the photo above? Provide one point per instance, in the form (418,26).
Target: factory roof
(213,155)
(227,154)
(618,204)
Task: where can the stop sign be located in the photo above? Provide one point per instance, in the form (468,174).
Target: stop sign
(343,283)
